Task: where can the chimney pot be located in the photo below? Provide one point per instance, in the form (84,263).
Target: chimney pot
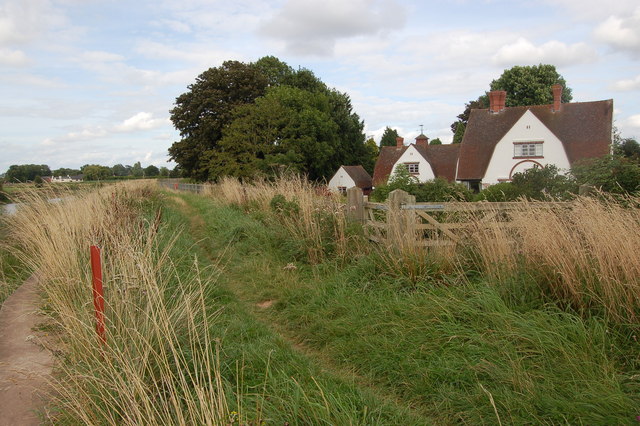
(497,100)
(399,142)
(557,96)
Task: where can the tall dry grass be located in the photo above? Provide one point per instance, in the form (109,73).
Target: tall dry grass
(586,255)
(159,365)
(311,216)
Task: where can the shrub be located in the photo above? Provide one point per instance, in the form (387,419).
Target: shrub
(440,190)
(610,173)
(503,191)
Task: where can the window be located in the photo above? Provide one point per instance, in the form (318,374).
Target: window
(527,149)
(342,189)
(413,168)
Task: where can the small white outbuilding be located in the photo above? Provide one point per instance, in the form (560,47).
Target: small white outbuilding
(350,176)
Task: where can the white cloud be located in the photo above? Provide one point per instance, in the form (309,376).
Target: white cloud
(633,122)
(312,27)
(627,85)
(621,32)
(23,21)
(523,52)
(100,56)
(596,9)
(14,58)
(141,121)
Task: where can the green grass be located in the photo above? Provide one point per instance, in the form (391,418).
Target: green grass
(275,381)
(12,272)
(444,353)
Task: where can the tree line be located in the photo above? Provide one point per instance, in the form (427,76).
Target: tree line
(31,172)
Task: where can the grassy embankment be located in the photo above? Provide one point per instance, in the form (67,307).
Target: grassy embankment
(531,324)
(181,349)
(272,308)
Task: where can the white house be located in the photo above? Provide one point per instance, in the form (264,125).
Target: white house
(350,176)
(423,161)
(501,141)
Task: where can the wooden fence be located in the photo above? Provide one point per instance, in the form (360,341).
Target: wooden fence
(430,224)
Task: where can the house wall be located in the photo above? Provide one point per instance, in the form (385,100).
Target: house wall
(341,178)
(527,129)
(411,155)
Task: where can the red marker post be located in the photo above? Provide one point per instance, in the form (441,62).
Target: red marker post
(98,295)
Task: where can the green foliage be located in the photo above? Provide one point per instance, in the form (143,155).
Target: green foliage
(435,141)
(536,183)
(280,205)
(399,179)
(389,137)
(503,191)
(151,171)
(137,170)
(96,172)
(164,172)
(26,172)
(38,181)
(66,172)
(440,190)
(628,148)
(611,173)
(531,85)
(459,133)
(246,119)
(120,170)
(372,152)
(525,85)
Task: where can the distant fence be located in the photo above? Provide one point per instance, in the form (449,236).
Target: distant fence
(430,224)
(176,185)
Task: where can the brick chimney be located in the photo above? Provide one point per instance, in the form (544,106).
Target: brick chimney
(422,140)
(399,142)
(557,96)
(497,100)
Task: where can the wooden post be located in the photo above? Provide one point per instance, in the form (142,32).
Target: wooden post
(355,205)
(98,295)
(401,224)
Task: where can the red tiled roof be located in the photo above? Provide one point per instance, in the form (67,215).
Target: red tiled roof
(442,158)
(386,159)
(583,127)
(359,175)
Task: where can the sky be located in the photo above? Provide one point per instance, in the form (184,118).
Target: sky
(93,81)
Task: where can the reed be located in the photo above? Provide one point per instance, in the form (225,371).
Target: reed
(159,365)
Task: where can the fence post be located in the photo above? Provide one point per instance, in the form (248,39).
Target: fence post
(98,294)
(355,205)
(401,224)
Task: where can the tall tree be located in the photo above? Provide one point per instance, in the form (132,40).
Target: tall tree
(205,110)
(525,85)
(388,137)
(285,118)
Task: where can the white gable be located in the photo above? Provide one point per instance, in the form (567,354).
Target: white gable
(527,144)
(341,179)
(412,156)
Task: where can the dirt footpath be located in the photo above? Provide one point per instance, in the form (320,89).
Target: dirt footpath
(24,365)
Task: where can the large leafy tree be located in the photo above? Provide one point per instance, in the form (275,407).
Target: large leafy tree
(201,113)
(389,137)
(525,85)
(289,128)
(242,119)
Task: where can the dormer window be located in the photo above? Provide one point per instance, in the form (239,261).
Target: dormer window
(527,149)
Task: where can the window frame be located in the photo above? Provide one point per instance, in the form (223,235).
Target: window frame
(536,146)
(413,164)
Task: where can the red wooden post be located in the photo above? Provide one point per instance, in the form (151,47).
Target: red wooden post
(175,186)
(98,295)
